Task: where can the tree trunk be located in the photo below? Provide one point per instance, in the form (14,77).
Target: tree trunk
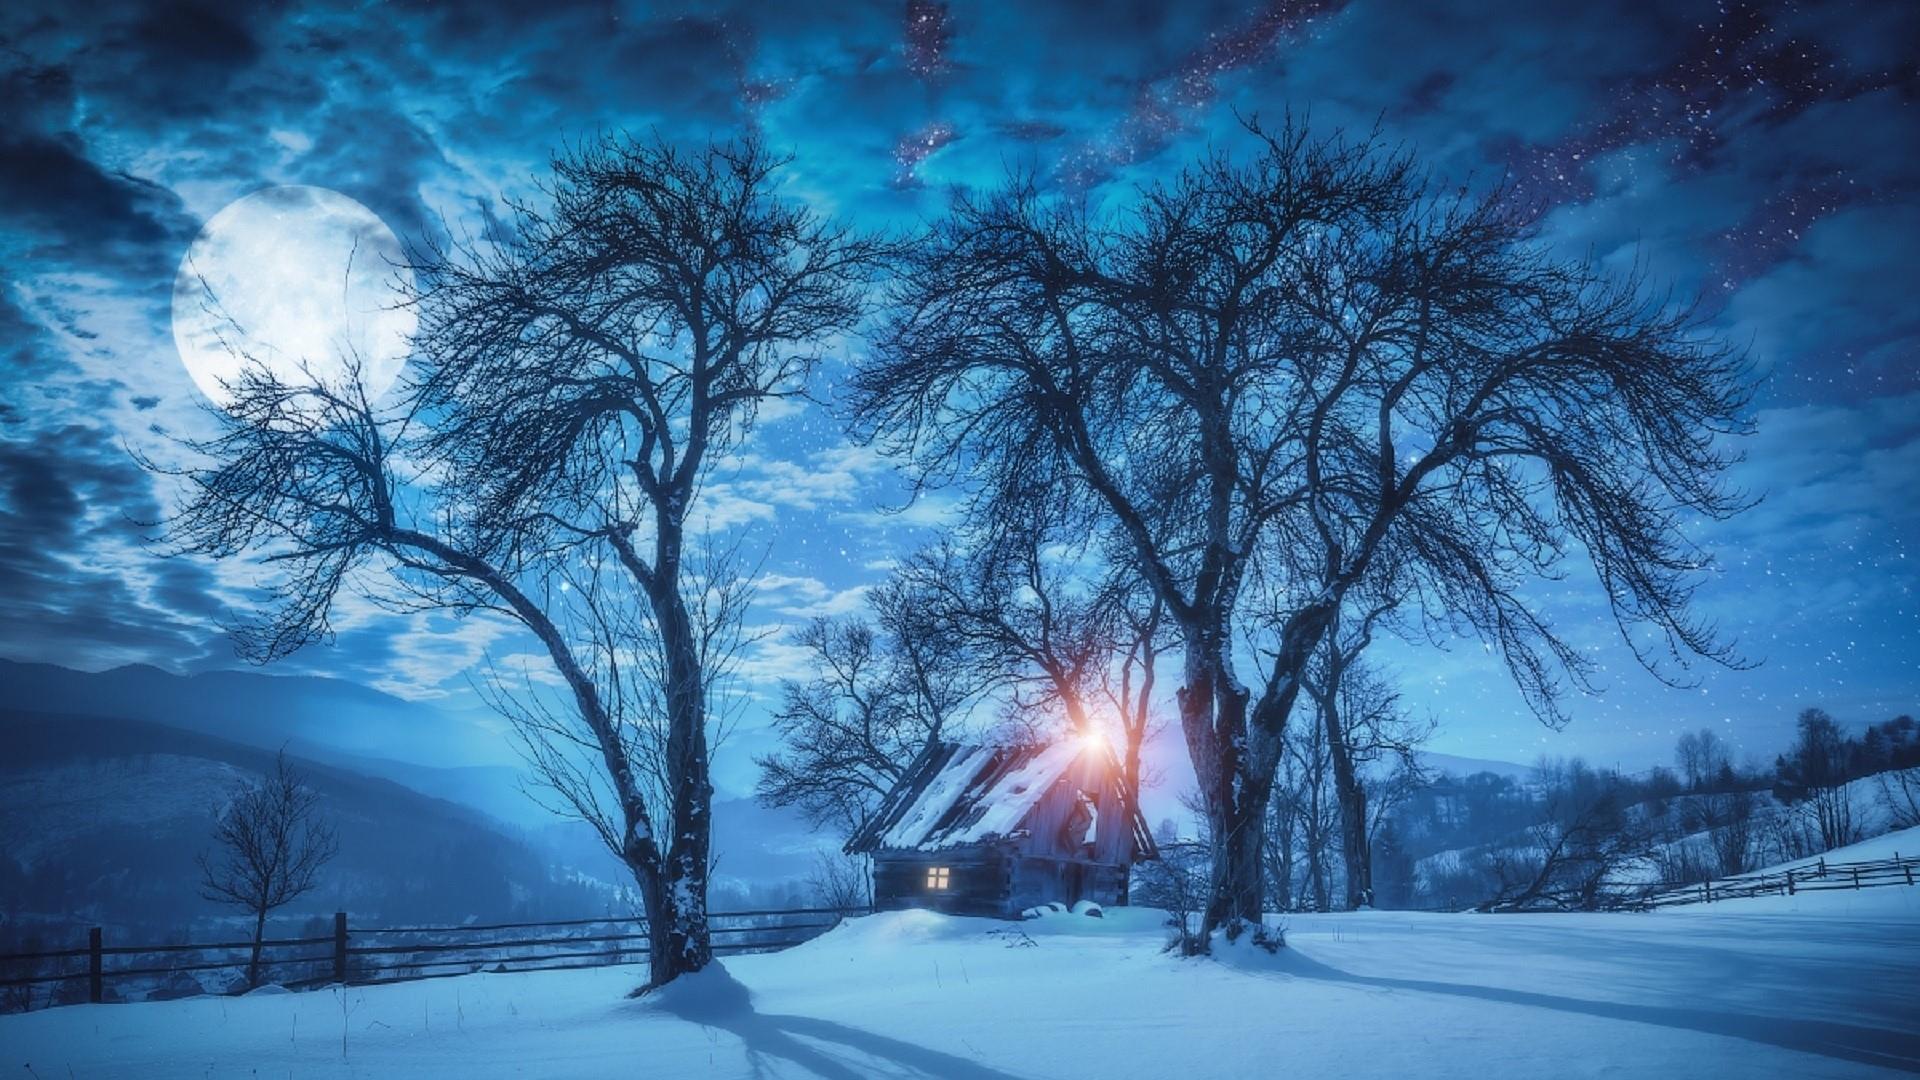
(1130,790)
(1279,868)
(1213,713)
(1235,762)
(259,935)
(1238,883)
(1239,840)
(1357,859)
(1317,858)
(680,937)
(1254,748)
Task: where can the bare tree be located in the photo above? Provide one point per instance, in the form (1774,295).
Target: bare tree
(1720,802)
(1900,795)
(840,881)
(1280,838)
(270,846)
(1177,883)
(307,477)
(1359,713)
(1076,648)
(1732,830)
(1813,778)
(886,689)
(1312,365)
(1586,837)
(1306,781)
(1700,755)
(579,376)
(1130,689)
(588,370)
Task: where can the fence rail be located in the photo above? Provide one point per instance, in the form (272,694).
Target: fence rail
(1818,877)
(368,955)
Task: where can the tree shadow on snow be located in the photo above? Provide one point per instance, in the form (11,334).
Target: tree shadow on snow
(1848,1042)
(714,999)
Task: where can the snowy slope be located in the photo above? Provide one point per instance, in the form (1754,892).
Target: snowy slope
(1774,822)
(1883,902)
(915,994)
(1898,843)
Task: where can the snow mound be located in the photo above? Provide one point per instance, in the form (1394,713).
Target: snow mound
(890,929)
(708,995)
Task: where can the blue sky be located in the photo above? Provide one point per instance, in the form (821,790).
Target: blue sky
(1760,154)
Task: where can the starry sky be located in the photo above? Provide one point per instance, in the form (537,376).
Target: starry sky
(1760,155)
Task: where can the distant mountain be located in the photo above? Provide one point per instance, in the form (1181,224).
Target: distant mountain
(752,844)
(448,755)
(1467,766)
(101,818)
(261,710)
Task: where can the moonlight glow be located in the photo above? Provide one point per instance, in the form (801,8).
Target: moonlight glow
(300,279)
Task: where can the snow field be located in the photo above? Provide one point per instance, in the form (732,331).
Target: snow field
(917,994)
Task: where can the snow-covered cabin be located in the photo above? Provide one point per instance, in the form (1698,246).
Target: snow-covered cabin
(996,829)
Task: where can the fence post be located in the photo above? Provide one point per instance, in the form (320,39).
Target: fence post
(1789,883)
(95,991)
(340,946)
(1856,877)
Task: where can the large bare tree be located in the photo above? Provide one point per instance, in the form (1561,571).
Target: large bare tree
(586,371)
(578,375)
(1310,363)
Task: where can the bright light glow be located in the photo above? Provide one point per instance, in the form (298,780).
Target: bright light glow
(1093,738)
(302,280)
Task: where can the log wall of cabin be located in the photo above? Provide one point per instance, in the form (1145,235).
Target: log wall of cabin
(1038,881)
(979,880)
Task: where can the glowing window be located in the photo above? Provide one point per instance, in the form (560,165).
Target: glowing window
(938,877)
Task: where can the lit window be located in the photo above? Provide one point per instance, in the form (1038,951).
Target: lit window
(937,877)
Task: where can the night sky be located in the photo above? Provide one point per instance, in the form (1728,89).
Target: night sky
(1761,155)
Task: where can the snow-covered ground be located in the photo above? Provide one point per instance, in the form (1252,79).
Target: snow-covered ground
(1692,993)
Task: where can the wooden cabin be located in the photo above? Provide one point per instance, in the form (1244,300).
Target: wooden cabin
(997,829)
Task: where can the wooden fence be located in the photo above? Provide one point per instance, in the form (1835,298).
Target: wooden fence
(357,956)
(1819,876)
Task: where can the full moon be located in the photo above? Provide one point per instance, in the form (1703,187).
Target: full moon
(302,280)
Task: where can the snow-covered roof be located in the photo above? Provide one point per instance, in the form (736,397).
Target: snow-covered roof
(958,793)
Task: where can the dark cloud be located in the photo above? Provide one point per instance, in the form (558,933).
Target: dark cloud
(73,587)
(155,62)
(48,185)
(189,51)
(34,97)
